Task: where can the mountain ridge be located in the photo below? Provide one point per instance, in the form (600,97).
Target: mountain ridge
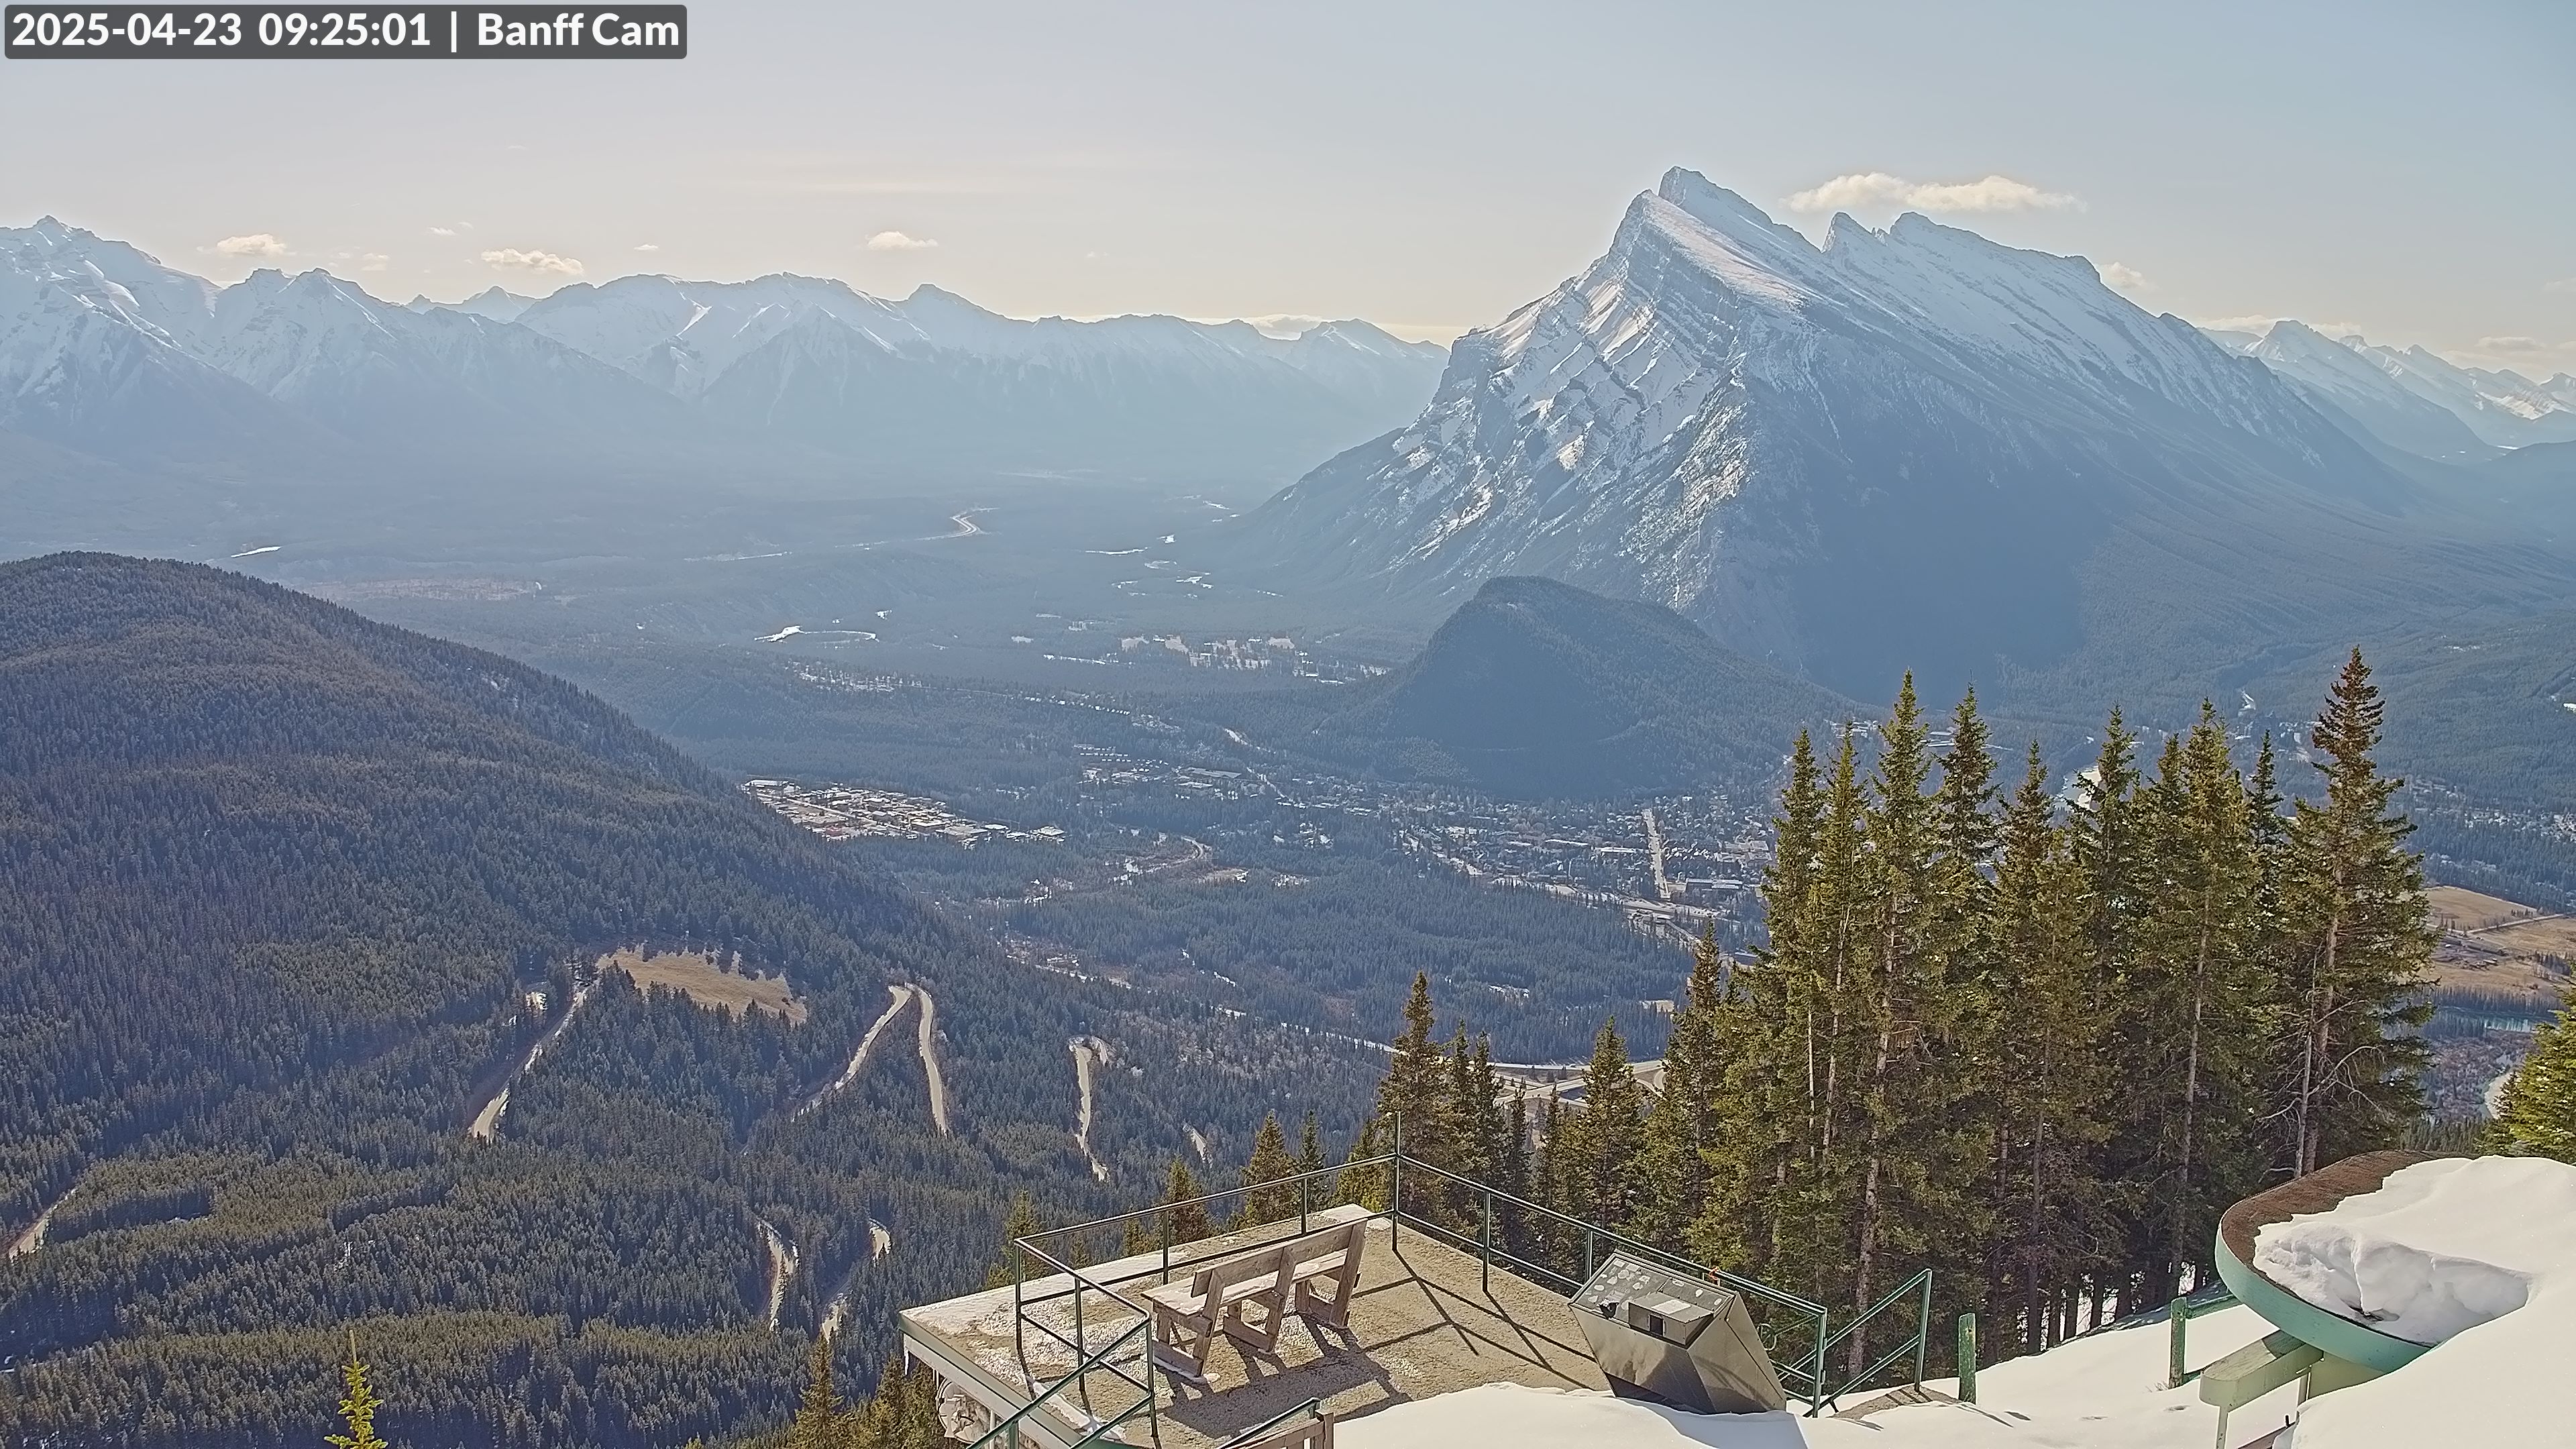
(104,349)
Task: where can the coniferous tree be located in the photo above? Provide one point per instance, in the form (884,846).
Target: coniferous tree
(1362,1180)
(1270,1163)
(1514,1176)
(1605,1136)
(358,1405)
(821,1422)
(2537,1117)
(1310,1146)
(1679,1128)
(1013,1263)
(1916,1154)
(903,1415)
(2195,1003)
(1418,1089)
(2359,942)
(2049,1082)
(1765,1040)
(1184,1221)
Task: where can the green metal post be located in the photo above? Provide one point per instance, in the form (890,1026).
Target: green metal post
(1922,1326)
(2177,1327)
(1485,1244)
(1395,1182)
(1967,1358)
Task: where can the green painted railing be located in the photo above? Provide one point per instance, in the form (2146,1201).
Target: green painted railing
(1097,1430)
(1797,1332)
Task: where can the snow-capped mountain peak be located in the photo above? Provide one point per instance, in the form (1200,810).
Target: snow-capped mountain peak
(1717,405)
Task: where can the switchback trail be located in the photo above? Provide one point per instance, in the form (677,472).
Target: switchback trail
(859,1058)
(488,1121)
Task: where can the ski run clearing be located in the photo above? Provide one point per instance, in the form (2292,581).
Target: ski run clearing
(707,980)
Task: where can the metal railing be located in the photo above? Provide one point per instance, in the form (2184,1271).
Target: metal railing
(1097,1430)
(1797,1332)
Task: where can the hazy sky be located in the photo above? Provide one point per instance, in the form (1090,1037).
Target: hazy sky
(2409,169)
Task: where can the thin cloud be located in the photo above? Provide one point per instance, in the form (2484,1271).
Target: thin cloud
(895,241)
(373,262)
(257,244)
(648,247)
(2520,345)
(2563,284)
(442,231)
(2125,277)
(1879,191)
(544,264)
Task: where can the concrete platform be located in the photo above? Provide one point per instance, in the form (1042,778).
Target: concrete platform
(1424,1321)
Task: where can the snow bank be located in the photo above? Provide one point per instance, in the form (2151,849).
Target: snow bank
(2102,1392)
(2475,1255)
(2426,1256)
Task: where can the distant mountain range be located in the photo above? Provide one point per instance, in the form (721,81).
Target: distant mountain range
(105,350)
(2412,399)
(1904,448)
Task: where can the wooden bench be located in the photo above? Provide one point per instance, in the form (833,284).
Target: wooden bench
(1326,1271)
(1217,1299)
(1313,1276)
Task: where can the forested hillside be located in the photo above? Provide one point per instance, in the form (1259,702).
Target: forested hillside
(1537,688)
(291,896)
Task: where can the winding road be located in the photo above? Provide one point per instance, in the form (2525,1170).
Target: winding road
(34,1237)
(488,1121)
(859,1058)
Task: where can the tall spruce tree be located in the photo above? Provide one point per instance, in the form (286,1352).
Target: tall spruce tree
(1915,1155)
(2051,1106)
(1012,1264)
(1418,1089)
(358,1405)
(1267,1198)
(1184,1221)
(2359,942)
(821,1421)
(1674,1167)
(2538,1115)
(1604,1137)
(2195,1004)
